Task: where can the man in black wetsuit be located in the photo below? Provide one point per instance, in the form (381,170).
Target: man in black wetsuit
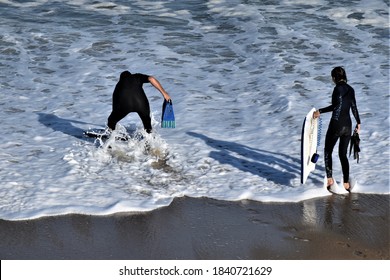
(129,96)
(340,126)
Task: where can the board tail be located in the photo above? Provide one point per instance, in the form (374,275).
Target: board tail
(168,116)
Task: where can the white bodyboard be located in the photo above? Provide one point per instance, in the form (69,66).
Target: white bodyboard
(308,145)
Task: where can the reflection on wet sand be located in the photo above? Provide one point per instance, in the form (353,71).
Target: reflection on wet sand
(352,226)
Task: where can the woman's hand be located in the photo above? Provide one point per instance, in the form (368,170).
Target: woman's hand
(316,114)
(357,128)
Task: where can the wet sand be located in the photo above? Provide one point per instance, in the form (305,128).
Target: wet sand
(345,227)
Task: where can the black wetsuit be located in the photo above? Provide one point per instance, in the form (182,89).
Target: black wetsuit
(128,97)
(340,126)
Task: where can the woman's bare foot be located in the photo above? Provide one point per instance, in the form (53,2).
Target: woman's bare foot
(347,187)
(330,183)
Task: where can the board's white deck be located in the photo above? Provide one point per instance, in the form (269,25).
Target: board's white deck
(309,144)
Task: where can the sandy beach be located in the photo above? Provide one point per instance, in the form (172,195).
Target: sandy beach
(350,227)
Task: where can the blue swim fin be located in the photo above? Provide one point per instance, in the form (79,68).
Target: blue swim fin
(168,117)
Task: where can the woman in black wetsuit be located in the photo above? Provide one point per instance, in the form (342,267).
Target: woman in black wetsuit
(129,96)
(340,126)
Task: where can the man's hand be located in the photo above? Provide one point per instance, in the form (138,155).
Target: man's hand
(159,87)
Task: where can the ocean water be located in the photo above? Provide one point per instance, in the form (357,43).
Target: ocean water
(242,76)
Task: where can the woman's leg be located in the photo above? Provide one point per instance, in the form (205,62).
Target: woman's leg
(330,142)
(345,138)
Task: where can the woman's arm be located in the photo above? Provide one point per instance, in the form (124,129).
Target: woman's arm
(330,108)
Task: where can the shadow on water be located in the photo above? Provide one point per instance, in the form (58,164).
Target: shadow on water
(256,161)
(62,125)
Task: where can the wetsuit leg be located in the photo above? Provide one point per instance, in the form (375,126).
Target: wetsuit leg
(345,138)
(146,120)
(330,142)
(114,118)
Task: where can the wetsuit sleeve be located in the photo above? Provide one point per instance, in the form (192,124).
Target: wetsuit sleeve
(354,109)
(335,101)
(143,78)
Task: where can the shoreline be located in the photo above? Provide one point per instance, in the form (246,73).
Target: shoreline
(342,227)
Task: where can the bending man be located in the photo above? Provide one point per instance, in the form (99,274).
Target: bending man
(129,96)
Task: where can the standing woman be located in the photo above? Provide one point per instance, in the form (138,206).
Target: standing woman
(340,126)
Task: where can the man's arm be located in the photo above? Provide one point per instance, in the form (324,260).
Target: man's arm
(158,86)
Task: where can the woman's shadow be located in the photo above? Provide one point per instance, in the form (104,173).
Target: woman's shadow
(276,167)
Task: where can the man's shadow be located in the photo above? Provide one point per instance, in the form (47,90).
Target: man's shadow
(62,125)
(276,167)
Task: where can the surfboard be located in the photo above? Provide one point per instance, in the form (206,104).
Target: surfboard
(96,133)
(309,154)
(104,135)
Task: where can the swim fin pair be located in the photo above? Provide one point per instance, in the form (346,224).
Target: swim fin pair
(168,116)
(355,146)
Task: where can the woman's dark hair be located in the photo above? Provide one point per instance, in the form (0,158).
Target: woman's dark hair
(338,73)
